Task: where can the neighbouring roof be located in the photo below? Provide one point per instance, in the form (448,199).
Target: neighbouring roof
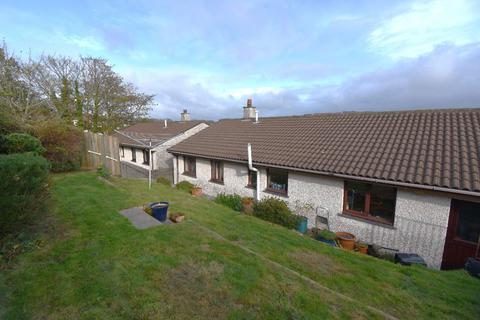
(154,131)
(438,148)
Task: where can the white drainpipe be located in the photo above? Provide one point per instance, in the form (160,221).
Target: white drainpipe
(150,162)
(250,167)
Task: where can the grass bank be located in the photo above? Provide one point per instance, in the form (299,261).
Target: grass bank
(93,264)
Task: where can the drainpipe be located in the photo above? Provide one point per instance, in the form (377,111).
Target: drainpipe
(150,166)
(250,167)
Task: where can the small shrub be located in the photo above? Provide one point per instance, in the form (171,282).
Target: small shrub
(325,234)
(20,143)
(23,190)
(103,172)
(164,181)
(276,211)
(233,201)
(63,144)
(185,186)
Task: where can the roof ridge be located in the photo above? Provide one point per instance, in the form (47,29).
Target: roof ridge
(366,112)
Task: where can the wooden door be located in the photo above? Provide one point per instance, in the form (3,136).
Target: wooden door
(462,234)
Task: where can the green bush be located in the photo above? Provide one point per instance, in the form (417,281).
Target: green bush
(63,143)
(276,211)
(103,172)
(233,201)
(185,186)
(20,143)
(164,181)
(23,190)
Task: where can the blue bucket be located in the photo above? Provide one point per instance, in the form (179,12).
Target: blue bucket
(302,225)
(160,210)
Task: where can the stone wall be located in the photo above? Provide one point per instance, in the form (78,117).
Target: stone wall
(421,218)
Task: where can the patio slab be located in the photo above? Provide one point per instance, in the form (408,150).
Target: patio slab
(140,219)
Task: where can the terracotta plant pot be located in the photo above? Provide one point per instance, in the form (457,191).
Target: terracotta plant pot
(247,204)
(177,217)
(197,191)
(362,248)
(347,240)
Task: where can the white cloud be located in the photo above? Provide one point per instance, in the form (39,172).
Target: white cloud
(447,77)
(84,42)
(424,25)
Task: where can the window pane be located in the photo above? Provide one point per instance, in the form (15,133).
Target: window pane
(217,170)
(356,195)
(252,178)
(382,203)
(468,227)
(278,180)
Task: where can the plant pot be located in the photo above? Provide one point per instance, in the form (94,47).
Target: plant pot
(177,218)
(247,207)
(363,249)
(347,240)
(196,192)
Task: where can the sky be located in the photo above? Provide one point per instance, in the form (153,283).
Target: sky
(290,57)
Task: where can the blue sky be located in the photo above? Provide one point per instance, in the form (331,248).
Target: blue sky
(291,57)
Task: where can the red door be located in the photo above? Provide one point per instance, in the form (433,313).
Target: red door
(462,234)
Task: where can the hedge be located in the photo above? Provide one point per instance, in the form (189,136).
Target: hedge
(20,143)
(233,201)
(63,143)
(23,189)
(185,186)
(276,211)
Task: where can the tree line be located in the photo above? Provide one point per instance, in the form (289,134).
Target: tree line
(85,91)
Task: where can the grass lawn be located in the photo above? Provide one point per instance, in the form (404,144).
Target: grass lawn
(93,264)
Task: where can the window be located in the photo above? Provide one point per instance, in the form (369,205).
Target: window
(134,155)
(217,171)
(277,181)
(468,225)
(189,166)
(122,150)
(372,202)
(146,157)
(252,179)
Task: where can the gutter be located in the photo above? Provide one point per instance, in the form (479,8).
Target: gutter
(345,176)
(250,167)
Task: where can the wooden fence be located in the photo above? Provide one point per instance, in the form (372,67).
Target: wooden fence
(102,150)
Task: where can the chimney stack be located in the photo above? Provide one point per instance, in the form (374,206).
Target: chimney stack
(185,116)
(249,110)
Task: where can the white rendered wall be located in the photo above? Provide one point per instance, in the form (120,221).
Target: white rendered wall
(421,218)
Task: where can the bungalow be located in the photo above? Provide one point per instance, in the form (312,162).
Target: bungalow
(143,139)
(408,181)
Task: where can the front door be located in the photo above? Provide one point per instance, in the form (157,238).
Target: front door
(462,234)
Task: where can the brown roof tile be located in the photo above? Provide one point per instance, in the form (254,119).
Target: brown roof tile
(427,147)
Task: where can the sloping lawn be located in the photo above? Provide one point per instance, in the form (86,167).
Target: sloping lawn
(93,264)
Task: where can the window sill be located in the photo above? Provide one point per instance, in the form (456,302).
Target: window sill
(366,220)
(189,175)
(217,182)
(276,193)
(250,187)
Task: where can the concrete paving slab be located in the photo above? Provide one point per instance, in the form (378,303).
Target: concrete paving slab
(140,219)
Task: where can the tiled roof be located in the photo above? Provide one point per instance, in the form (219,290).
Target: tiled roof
(438,148)
(154,131)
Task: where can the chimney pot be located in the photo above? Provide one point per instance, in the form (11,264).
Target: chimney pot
(185,116)
(249,110)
